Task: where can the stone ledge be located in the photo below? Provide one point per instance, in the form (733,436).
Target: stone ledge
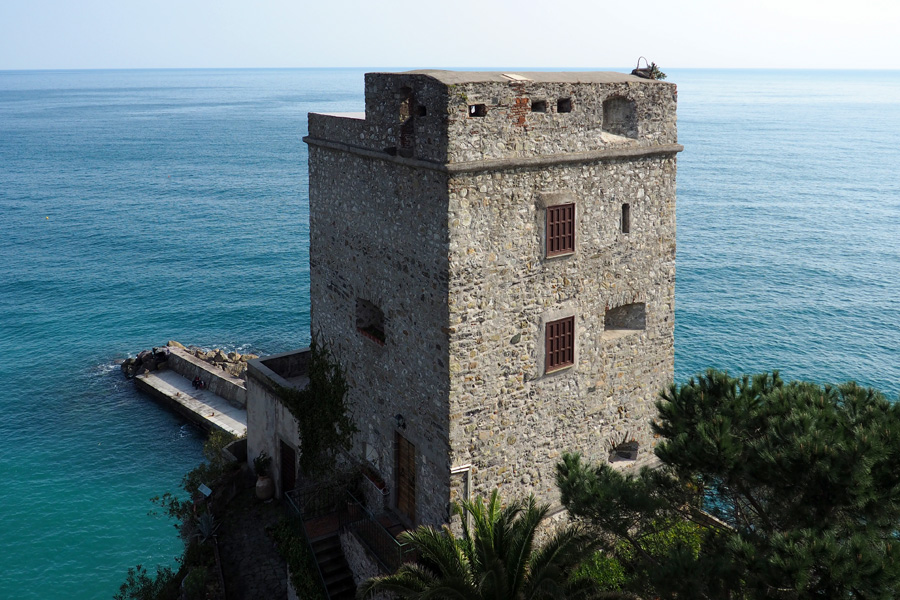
(288,369)
(475,166)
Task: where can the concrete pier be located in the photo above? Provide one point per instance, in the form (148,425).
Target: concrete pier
(201,407)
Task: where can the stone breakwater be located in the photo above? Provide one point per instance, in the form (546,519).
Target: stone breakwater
(157,359)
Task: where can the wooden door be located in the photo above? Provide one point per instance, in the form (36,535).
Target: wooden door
(288,468)
(405,478)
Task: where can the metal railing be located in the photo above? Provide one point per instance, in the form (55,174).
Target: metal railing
(316,500)
(298,498)
(390,552)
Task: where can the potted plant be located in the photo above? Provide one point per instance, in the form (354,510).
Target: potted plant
(265,487)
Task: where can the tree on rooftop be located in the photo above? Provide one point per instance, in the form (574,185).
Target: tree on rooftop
(496,558)
(799,485)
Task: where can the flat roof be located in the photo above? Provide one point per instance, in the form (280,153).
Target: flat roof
(457,77)
(342,115)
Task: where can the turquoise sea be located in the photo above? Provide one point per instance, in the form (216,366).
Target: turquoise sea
(142,206)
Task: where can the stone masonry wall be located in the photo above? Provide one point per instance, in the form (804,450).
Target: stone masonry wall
(380,235)
(436,217)
(509,419)
(362,564)
(510,129)
(447,133)
(268,422)
(384,95)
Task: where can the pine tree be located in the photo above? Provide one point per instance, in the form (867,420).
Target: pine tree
(794,489)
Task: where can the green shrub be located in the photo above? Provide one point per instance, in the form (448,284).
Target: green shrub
(603,570)
(622,568)
(665,537)
(182,511)
(291,544)
(139,585)
(321,411)
(195,583)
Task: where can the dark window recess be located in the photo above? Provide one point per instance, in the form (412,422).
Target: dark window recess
(560,344)
(539,106)
(406,100)
(626,218)
(560,229)
(624,450)
(477,110)
(564,105)
(626,317)
(370,321)
(619,116)
(288,468)
(406,138)
(421,111)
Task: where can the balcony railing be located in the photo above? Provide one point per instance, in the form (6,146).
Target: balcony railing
(390,552)
(316,500)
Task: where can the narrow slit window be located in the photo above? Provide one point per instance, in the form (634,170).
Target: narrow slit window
(539,106)
(626,218)
(560,229)
(560,344)
(406,99)
(564,105)
(477,110)
(407,130)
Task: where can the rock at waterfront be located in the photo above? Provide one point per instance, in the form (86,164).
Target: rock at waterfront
(156,359)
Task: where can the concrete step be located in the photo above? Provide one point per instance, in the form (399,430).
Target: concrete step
(334,568)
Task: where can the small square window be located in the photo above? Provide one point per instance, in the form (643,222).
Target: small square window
(421,111)
(564,105)
(560,229)
(560,344)
(539,106)
(477,110)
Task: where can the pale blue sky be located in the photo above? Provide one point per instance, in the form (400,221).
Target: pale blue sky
(88,34)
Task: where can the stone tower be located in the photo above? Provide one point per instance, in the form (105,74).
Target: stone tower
(493,261)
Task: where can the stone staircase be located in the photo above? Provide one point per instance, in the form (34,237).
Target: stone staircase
(335,570)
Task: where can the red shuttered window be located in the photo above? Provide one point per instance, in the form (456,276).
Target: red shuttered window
(560,342)
(560,229)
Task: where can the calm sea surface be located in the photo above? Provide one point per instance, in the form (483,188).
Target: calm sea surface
(142,206)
